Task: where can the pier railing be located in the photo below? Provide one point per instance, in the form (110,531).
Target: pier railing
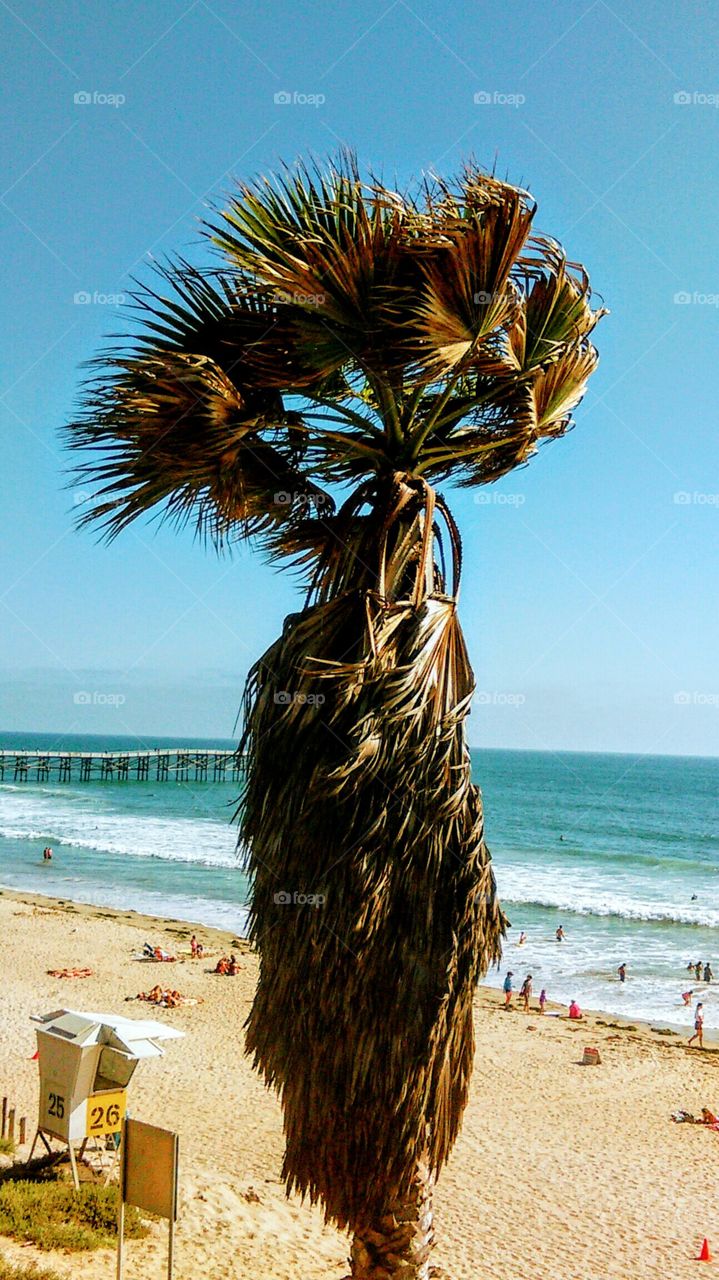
(159,764)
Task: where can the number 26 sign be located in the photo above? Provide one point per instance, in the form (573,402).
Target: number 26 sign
(105,1113)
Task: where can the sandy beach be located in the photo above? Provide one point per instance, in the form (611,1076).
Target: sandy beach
(560,1169)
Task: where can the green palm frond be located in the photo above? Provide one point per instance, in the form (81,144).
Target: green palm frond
(557,312)
(334,250)
(183,423)
(558,389)
(182,436)
(469,295)
(351,332)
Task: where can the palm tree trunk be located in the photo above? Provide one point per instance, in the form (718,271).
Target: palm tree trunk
(398,1246)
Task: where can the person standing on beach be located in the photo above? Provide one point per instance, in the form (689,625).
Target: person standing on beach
(507,988)
(526,992)
(698,1026)
(622,971)
(708,975)
(542,1000)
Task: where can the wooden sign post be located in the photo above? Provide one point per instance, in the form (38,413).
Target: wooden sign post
(148,1179)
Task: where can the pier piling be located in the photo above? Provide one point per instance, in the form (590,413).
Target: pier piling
(169,764)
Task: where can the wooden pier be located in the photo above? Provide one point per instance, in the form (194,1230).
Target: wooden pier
(157,764)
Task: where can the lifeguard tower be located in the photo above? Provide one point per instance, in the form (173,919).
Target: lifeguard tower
(86,1062)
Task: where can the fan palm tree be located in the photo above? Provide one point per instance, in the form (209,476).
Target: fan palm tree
(354,348)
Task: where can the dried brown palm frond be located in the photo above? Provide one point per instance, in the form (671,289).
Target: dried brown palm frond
(355,745)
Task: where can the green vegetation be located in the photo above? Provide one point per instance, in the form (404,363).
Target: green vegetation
(8,1271)
(7,1147)
(52,1215)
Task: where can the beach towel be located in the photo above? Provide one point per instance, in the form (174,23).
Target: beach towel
(167,999)
(707,1120)
(70,973)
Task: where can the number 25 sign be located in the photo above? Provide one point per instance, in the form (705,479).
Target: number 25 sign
(105,1113)
(53,1117)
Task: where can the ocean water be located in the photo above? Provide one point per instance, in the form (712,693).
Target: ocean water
(622,851)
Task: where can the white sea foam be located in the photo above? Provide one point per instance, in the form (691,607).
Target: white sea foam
(92,823)
(604,895)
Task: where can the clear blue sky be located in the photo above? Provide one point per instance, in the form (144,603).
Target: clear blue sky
(591,595)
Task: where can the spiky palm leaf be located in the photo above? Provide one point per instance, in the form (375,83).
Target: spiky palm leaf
(359,342)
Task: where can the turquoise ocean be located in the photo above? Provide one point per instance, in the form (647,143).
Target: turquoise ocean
(622,851)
